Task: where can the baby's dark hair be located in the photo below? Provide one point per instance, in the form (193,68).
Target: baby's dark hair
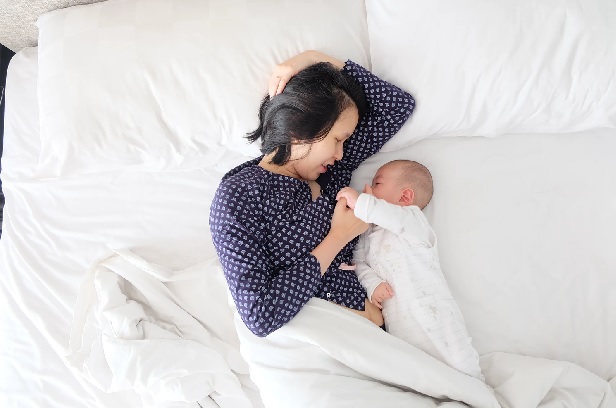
(306,110)
(416,176)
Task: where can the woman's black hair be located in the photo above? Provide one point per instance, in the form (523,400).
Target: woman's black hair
(306,110)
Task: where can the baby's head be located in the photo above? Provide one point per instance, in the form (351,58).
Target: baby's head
(403,182)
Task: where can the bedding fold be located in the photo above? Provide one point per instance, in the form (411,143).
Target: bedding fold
(329,357)
(130,331)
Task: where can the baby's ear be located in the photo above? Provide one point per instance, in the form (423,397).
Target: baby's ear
(407,197)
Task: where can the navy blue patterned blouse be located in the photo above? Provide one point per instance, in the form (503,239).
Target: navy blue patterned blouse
(264,225)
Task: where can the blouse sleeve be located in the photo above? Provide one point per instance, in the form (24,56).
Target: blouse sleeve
(389,108)
(265,300)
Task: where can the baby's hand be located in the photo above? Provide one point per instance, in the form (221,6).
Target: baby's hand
(381,293)
(350,194)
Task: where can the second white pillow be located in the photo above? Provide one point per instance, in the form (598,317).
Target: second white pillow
(484,67)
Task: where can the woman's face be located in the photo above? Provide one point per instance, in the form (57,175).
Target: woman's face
(310,160)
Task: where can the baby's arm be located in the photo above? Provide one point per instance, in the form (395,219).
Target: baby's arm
(404,221)
(381,293)
(366,275)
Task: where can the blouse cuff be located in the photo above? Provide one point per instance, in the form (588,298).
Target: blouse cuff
(351,68)
(314,279)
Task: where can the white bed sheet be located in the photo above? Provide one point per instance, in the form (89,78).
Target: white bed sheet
(38,283)
(525,241)
(525,227)
(53,230)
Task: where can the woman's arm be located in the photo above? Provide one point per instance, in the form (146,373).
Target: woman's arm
(389,106)
(389,109)
(267,298)
(345,226)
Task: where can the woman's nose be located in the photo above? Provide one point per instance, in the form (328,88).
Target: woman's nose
(339,152)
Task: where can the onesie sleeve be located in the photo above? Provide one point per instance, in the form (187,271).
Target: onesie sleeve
(366,275)
(407,222)
(265,299)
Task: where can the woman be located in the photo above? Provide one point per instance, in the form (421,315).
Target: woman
(279,233)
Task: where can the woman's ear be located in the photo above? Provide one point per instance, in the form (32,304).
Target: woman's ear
(407,197)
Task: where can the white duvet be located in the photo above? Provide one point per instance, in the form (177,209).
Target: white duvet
(131,332)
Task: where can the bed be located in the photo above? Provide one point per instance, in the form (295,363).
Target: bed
(122,120)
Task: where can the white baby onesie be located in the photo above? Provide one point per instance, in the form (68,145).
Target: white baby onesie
(400,248)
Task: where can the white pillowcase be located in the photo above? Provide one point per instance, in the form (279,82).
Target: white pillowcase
(168,85)
(483,67)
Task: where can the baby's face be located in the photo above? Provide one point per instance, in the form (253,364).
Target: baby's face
(386,184)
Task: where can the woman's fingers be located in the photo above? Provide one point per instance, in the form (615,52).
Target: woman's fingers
(276,84)
(343,193)
(285,71)
(341,205)
(345,221)
(280,77)
(281,84)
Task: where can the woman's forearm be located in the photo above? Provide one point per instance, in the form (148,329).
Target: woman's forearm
(317,56)
(327,250)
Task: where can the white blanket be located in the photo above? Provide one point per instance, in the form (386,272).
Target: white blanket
(140,336)
(330,357)
(135,328)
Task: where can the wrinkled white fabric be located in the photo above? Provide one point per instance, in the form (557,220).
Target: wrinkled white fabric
(330,357)
(130,331)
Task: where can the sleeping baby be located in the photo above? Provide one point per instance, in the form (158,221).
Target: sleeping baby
(397,263)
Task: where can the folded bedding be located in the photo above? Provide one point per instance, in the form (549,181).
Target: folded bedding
(132,332)
(140,337)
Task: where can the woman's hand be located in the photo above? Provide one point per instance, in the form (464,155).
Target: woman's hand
(284,72)
(345,223)
(345,226)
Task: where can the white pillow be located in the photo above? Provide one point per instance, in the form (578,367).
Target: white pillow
(484,67)
(164,85)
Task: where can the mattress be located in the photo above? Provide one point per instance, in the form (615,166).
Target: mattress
(524,223)
(160,216)
(525,226)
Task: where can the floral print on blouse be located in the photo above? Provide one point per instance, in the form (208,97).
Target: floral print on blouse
(264,225)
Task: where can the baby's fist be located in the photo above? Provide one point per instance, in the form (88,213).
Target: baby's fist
(350,194)
(381,293)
